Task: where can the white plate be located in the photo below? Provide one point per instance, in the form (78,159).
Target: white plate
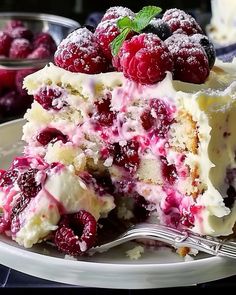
(156,268)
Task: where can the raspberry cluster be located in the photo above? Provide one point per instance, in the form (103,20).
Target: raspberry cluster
(174,43)
(18,42)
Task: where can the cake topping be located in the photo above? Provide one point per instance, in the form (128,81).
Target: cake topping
(51,135)
(81,52)
(145,59)
(159,27)
(181,22)
(190,59)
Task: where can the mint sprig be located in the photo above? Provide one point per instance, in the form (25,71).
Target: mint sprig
(126,25)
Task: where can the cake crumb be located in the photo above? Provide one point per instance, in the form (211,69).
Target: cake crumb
(135,253)
(69,257)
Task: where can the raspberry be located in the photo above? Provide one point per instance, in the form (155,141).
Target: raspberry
(181,22)
(7,78)
(104,115)
(106,32)
(190,60)
(8,177)
(126,156)
(207,46)
(157,118)
(27,183)
(50,98)
(158,27)
(21,32)
(5,43)
(145,59)
(169,171)
(76,233)
(116,12)
(45,40)
(40,52)
(20,48)
(12,24)
(51,135)
(81,52)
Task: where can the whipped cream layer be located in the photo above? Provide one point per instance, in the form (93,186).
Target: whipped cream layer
(222,29)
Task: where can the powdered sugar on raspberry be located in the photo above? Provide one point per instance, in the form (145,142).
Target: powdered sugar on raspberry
(116,12)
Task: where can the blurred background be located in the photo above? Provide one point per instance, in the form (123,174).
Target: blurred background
(80,9)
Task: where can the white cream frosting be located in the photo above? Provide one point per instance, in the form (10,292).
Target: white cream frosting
(222,28)
(212,105)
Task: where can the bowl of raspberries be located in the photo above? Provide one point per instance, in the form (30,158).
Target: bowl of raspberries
(27,43)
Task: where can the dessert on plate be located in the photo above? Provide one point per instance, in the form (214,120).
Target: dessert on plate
(133,122)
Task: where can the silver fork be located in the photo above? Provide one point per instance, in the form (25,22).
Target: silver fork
(173,237)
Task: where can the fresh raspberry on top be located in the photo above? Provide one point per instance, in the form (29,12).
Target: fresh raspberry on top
(20,48)
(45,40)
(181,22)
(116,12)
(145,59)
(190,60)
(81,52)
(5,43)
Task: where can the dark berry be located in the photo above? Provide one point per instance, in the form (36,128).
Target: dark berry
(208,47)
(76,233)
(81,52)
(51,135)
(159,28)
(126,156)
(20,48)
(8,178)
(190,59)
(104,116)
(181,22)
(28,184)
(140,208)
(5,43)
(231,197)
(145,59)
(49,98)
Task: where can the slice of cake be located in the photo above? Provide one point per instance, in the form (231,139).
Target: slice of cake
(155,141)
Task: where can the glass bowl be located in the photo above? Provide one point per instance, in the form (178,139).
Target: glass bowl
(13,99)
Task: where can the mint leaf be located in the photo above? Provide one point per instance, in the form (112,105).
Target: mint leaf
(144,16)
(118,41)
(124,22)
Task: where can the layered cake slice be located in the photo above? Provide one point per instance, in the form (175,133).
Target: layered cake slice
(154,141)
